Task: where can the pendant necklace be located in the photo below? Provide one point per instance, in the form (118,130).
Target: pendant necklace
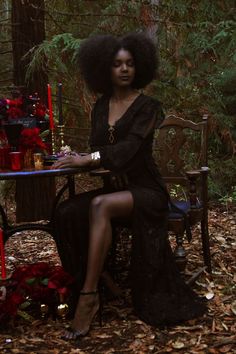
(111,130)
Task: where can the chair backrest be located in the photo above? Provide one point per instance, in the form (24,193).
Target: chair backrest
(180,145)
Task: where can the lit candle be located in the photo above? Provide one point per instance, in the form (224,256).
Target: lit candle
(38,161)
(51,122)
(2,254)
(59,102)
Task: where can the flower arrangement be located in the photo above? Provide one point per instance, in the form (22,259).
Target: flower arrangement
(21,107)
(31,288)
(25,122)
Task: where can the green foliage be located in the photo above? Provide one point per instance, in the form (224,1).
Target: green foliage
(225,86)
(59,51)
(229,198)
(223,185)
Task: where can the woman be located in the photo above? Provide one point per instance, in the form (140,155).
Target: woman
(123,122)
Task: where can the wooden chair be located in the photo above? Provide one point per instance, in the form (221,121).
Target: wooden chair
(180,150)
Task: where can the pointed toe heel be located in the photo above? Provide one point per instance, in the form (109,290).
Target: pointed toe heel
(72,334)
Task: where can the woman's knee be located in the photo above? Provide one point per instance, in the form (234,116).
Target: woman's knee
(99,205)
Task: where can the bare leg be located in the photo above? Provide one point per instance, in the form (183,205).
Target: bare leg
(103,209)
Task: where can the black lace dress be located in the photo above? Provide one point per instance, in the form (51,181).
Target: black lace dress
(160,296)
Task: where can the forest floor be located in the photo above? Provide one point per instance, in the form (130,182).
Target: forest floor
(122,332)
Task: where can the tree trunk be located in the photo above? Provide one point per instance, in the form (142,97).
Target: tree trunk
(28,30)
(34,197)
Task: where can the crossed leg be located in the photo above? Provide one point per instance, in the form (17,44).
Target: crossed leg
(102,209)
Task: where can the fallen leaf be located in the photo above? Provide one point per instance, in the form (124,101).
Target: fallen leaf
(178,345)
(233,307)
(209,295)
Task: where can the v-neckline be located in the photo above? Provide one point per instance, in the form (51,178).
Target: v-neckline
(124,114)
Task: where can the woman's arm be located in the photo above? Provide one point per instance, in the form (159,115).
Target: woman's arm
(77,160)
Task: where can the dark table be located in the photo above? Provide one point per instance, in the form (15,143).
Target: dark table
(68,173)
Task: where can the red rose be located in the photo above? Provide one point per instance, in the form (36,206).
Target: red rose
(30,139)
(29,271)
(60,280)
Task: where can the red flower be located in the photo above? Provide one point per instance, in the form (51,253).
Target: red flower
(30,139)
(15,112)
(30,271)
(40,110)
(34,283)
(60,280)
(15,108)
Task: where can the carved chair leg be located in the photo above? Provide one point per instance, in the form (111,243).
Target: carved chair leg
(180,253)
(206,246)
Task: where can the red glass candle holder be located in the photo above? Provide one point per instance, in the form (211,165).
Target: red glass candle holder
(16,160)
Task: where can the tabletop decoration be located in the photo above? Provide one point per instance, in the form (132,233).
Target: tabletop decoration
(17,114)
(30,143)
(15,160)
(61,125)
(38,160)
(34,290)
(26,110)
(51,121)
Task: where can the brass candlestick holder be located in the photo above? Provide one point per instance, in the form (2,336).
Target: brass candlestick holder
(53,142)
(61,135)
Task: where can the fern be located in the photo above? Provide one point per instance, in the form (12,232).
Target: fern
(54,54)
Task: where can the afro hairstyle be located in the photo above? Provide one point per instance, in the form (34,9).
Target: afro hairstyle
(96,55)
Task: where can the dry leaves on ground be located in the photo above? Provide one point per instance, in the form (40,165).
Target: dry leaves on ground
(122,332)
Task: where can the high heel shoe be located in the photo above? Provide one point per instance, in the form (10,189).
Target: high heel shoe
(73,334)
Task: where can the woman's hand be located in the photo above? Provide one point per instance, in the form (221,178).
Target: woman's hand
(72,161)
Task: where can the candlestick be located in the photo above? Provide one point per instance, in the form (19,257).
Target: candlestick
(51,122)
(2,254)
(53,142)
(61,135)
(59,102)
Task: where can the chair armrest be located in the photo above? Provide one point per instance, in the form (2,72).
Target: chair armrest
(204,169)
(192,178)
(194,174)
